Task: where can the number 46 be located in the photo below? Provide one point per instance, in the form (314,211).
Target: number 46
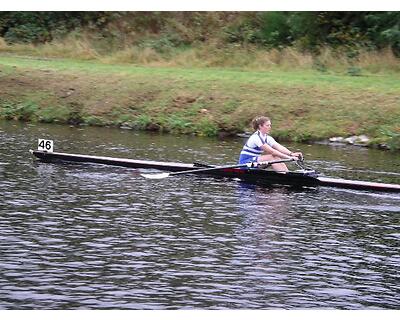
(45,145)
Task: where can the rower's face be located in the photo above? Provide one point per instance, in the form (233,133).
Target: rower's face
(266,127)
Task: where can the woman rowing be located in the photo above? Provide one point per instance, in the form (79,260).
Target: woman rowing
(260,141)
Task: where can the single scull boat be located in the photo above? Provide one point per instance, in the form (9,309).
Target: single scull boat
(249,173)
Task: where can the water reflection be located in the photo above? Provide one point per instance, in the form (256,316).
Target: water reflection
(287,245)
(90,236)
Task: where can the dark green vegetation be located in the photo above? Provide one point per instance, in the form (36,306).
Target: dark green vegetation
(161,30)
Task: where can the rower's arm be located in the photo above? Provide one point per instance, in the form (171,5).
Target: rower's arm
(282,149)
(278,151)
(287,152)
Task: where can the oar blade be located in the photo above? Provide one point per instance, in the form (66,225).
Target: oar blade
(156,175)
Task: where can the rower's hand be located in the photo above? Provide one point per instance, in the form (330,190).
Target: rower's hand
(297,156)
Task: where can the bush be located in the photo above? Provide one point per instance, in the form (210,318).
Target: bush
(40,27)
(240,33)
(94,121)
(27,33)
(163,31)
(164,43)
(142,122)
(354,71)
(274,30)
(206,127)
(24,111)
(178,124)
(75,115)
(53,114)
(7,111)
(392,138)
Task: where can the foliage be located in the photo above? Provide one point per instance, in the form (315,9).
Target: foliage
(391,137)
(94,121)
(53,114)
(40,27)
(354,71)
(163,44)
(311,30)
(273,29)
(178,124)
(206,127)
(142,122)
(162,31)
(24,111)
(384,29)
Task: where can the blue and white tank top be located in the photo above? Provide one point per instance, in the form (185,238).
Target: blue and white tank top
(254,143)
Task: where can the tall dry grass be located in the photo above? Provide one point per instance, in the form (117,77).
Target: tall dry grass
(134,55)
(377,61)
(70,47)
(3,44)
(211,54)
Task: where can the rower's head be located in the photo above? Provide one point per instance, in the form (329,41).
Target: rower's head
(261,123)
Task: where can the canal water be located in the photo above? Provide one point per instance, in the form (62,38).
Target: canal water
(75,236)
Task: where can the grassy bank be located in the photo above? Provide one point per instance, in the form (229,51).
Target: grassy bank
(211,54)
(305,105)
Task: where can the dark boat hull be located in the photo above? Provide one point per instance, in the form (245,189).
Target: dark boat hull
(254,176)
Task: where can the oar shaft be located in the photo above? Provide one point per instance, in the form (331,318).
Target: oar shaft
(249,165)
(210,169)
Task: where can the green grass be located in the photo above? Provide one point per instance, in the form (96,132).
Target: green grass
(304,105)
(389,82)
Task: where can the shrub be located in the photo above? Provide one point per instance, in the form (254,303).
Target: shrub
(94,121)
(27,33)
(354,71)
(274,30)
(178,124)
(142,122)
(53,114)
(7,111)
(24,111)
(205,127)
(392,138)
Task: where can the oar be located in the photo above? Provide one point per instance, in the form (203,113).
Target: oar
(249,165)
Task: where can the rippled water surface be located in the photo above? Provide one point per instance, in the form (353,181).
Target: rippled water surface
(75,236)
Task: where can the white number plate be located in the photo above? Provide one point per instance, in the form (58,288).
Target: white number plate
(45,145)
